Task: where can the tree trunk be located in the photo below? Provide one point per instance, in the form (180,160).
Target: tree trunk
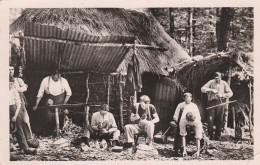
(190,21)
(223,28)
(171,10)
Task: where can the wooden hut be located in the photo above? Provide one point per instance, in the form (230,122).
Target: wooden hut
(93,47)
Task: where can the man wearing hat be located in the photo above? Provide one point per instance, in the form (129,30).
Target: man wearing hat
(217,90)
(16,118)
(187,113)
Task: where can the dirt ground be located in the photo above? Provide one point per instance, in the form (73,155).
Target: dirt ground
(227,149)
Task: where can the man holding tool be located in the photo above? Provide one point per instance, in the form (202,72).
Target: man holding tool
(217,90)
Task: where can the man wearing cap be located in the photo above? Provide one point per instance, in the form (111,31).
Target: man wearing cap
(217,90)
(187,113)
(17,118)
(143,118)
(21,87)
(57,91)
(104,126)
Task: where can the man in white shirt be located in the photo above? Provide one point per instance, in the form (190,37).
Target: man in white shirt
(187,113)
(57,91)
(104,126)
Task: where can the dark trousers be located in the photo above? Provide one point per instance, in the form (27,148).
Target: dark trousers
(46,119)
(23,131)
(215,117)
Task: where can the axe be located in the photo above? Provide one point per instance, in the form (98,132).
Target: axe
(228,102)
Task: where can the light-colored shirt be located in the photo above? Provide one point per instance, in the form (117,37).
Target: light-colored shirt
(222,87)
(19,85)
(108,119)
(191,107)
(14,98)
(54,88)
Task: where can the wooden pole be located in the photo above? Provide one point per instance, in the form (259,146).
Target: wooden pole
(121,102)
(227,100)
(87,87)
(234,118)
(108,88)
(191,33)
(250,106)
(135,92)
(57,121)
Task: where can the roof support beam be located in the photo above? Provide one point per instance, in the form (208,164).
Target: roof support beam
(93,44)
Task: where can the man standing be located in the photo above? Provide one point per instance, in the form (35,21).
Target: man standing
(104,126)
(21,87)
(217,91)
(143,117)
(187,113)
(17,118)
(57,91)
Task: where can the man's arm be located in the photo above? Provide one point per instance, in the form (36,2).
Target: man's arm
(155,115)
(176,113)
(18,105)
(228,92)
(68,91)
(22,87)
(94,123)
(114,126)
(40,94)
(206,88)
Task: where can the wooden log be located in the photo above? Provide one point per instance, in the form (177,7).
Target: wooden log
(57,121)
(63,106)
(121,102)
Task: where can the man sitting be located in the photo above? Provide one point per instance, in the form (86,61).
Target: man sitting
(104,126)
(187,113)
(143,118)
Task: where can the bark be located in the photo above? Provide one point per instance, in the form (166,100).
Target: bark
(223,28)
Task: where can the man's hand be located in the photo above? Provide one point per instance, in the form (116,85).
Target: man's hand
(220,95)
(35,107)
(173,123)
(214,91)
(14,119)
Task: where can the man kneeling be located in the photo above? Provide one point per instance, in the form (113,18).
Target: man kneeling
(104,126)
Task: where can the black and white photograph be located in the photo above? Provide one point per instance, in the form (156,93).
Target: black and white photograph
(123,84)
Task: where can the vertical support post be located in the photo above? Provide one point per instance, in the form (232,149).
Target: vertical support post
(251,106)
(234,119)
(135,92)
(191,33)
(87,87)
(57,121)
(86,115)
(226,107)
(121,102)
(108,88)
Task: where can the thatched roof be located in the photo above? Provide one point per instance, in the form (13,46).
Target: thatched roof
(113,22)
